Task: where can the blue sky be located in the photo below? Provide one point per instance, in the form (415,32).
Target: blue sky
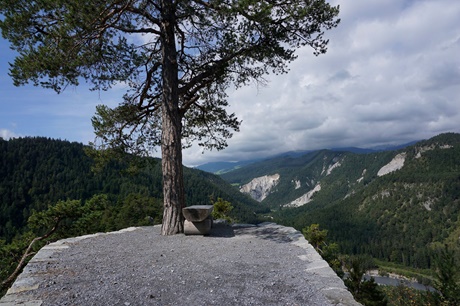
(391,75)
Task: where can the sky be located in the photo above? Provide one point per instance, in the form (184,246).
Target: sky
(391,75)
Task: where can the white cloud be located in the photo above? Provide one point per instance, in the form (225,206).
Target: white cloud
(7,134)
(391,75)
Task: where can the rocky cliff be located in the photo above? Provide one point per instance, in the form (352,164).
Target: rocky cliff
(259,188)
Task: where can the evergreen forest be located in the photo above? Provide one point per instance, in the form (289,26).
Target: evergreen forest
(37,172)
(400,217)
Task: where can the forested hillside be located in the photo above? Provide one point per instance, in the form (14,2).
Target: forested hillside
(396,206)
(38,172)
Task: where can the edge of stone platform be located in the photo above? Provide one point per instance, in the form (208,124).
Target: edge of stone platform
(331,285)
(28,279)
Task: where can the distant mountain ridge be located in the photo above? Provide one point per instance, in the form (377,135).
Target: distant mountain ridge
(395,205)
(221,167)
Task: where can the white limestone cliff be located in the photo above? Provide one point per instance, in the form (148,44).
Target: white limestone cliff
(259,188)
(306,198)
(396,164)
(422,150)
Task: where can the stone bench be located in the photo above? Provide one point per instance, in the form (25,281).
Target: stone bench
(198,219)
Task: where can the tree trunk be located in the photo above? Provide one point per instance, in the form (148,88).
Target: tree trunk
(171,147)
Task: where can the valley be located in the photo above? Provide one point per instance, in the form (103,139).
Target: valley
(396,206)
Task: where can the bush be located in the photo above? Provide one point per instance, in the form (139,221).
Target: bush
(221,210)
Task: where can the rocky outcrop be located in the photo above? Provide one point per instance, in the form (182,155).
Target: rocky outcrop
(297,184)
(260,187)
(362,176)
(335,164)
(421,150)
(306,198)
(396,164)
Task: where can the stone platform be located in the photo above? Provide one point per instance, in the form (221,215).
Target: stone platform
(266,264)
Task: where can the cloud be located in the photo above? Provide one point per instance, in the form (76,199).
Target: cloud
(7,134)
(391,75)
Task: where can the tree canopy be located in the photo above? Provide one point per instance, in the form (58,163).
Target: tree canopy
(176,57)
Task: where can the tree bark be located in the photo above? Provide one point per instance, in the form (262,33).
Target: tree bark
(171,146)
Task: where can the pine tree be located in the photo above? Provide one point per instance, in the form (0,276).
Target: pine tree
(177,58)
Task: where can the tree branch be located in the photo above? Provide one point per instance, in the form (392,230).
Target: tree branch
(213,68)
(27,253)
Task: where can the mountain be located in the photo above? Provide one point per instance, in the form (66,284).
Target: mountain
(394,205)
(37,172)
(224,167)
(394,147)
(221,167)
(356,150)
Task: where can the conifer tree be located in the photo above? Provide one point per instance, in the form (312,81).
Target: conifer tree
(176,57)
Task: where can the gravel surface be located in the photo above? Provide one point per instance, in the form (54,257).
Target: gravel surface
(232,266)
